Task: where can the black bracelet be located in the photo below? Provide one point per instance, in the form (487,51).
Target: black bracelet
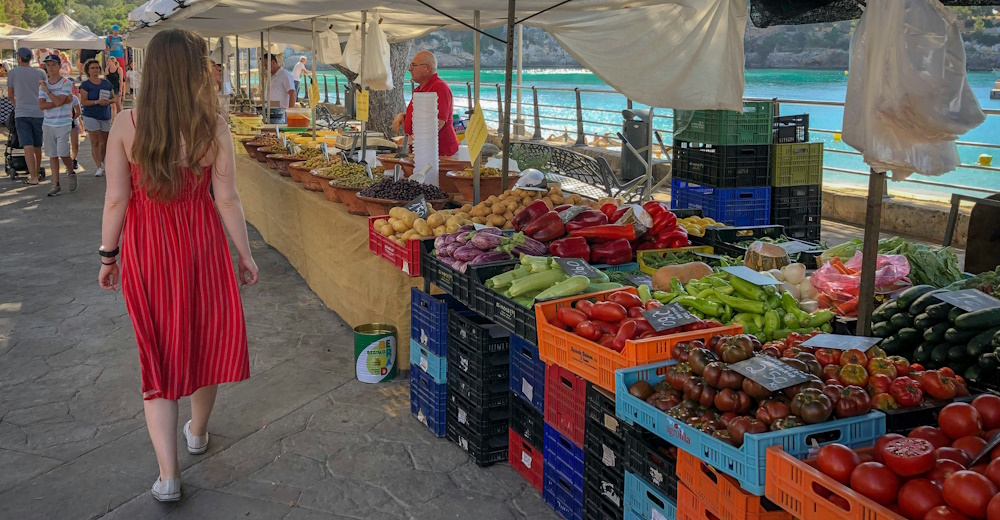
(108,254)
(112,263)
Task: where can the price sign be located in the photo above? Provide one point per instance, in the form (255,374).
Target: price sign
(419,206)
(770,373)
(750,275)
(475,133)
(641,279)
(969,300)
(577,267)
(669,316)
(709,256)
(796,246)
(326,152)
(361,103)
(284,140)
(841,342)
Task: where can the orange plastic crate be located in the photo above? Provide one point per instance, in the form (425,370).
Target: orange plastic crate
(799,488)
(721,494)
(405,258)
(595,363)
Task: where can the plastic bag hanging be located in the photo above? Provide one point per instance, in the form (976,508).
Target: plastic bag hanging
(328,50)
(377,70)
(352,51)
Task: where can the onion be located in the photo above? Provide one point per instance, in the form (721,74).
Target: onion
(794,273)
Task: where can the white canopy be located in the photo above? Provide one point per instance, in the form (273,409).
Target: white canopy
(11,33)
(62,32)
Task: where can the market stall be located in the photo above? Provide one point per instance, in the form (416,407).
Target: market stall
(61,32)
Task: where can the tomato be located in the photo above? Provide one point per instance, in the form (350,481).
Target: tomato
(771,410)
(830,372)
(943,469)
(882,366)
(842,502)
(828,356)
(907,391)
(855,357)
(876,482)
(852,401)
(642,326)
(729,400)
(853,374)
(938,386)
(879,384)
(636,312)
(881,442)
(969,492)
(932,434)
(954,454)
(571,317)
(588,330)
(959,420)
(916,367)
(609,312)
(988,406)
(946,372)
(917,497)
(909,457)
(607,341)
(993,510)
(627,332)
(608,328)
(993,472)
(837,462)
(741,426)
(884,402)
(791,352)
(586,307)
(902,365)
(625,299)
(970,445)
(979,468)
(944,513)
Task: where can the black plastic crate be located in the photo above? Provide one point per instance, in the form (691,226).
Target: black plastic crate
(796,204)
(473,329)
(902,420)
(477,274)
(596,505)
(481,394)
(601,411)
(604,484)
(502,310)
(485,451)
(809,232)
(483,422)
(717,166)
(791,129)
(526,421)
(605,452)
(480,366)
(688,212)
(437,273)
(723,238)
(652,459)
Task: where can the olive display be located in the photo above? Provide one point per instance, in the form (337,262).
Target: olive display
(302,154)
(346,169)
(483,172)
(319,162)
(403,189)
(356,180)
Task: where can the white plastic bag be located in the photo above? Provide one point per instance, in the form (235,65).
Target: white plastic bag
(377,72)
(352,51)
(329,48)
(908,98)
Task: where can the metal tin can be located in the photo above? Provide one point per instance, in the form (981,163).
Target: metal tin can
(375,352)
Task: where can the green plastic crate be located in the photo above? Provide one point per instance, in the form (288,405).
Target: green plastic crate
(796,164)
(726,127)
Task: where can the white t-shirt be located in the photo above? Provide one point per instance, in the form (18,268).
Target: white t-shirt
(297,71)
(281,84)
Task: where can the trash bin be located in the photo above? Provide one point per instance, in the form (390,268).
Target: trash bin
(635,128)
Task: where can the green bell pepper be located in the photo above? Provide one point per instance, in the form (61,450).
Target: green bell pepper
(740,304)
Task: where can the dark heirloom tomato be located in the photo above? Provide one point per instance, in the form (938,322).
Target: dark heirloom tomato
(719,375)
(796,364)
(813,382)
(837,462)
(909,457)
(812,406)
(740,426)
(736,348)
(932,434)
(680,352)
(755,389)
(786,423)
(696,389)
(830,371)
(853,401)
(723,435)
(663,401)
(698,358)
(812,364)
(876,482)
(917,497)
(729,400)
(880,445)
(771,410)
(969,493)
(772,351)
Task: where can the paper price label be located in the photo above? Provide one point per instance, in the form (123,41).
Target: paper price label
(527,390)
(608,456)
(462,416)
(526,460)
(770,373)
(577,267)
(419,206)
(611,423)
(423,363)
(475,133)
(669,316)
(655,515)
(969,300)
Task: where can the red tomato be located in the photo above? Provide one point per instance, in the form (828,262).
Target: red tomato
(853,356)
(979,468)
(993,509)
(587,329)
(837,462)
(946,371)
(831,371)
(879,384)
(988,406)
(909,457)
(970,445)
(625,299)
(917,497)
(959,420)
(636,312)
(993,472)
(954,454)
(828,356)
(969,492)
(881,442)
(558,324)
(571,317)
(902,365)
(944,513)
(943,469)
(876,482)
(608,328)
(586,307)
(932,434)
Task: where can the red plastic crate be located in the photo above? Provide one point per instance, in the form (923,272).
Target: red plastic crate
(565,402)
(595,363)
(525,459)
(405,258)
(721,494)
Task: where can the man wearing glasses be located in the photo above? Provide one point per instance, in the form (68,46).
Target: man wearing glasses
(423,70)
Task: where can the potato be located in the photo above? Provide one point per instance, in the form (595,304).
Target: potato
(395,212)
(400,241)
(511,205)
(386,230)
(454,220)
(525,201)
(440,230)
(463,215)
(420,226)
(498,209)
(400,226)
(508,225)
(496,221)
(451,228)
(415,236)
(408,233)
(391,220)
(491,200)
(379,223)
(478,220)
(548,202)
(435,219)
(409,217)
(466,208)
(509,215)
(557,199)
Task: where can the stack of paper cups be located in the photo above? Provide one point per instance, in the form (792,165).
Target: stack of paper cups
(425,135)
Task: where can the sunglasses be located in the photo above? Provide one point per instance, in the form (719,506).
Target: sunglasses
(415,65)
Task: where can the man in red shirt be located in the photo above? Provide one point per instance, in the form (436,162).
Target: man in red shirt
(423,69)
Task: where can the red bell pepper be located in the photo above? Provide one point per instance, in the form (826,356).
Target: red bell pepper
(562,207)
(570,213)
(612,253)
(671,238)
(646,245)
(663,218)
(571,247)
(528,214)
(609,209)
(619,213)
(589,218)
(545,228)
(606,232)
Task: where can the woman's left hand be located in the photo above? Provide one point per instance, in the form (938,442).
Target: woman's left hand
(109,277)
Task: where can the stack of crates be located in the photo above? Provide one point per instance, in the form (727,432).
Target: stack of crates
(704,492)
(428,363)
(605,457)
(478,407)
(527,406)
(796,179)
(722,163)
(565,421)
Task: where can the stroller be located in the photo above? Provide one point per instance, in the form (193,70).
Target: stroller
(13,153)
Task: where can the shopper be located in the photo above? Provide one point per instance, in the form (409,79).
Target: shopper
(423,70)
(65,69)
(54,97)
(297,71)
(114,74)
(22,90)
(96,97)
(114,47)
(132,79)
(85,56)
(176,270)
(220,85)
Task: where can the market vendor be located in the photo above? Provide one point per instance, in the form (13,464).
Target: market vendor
(281,93)
(423,70)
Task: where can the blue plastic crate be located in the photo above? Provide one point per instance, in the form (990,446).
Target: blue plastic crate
(562,493)
(632,515)
(645,501)
(428,401)
(628,266)
(563,454)
(746,463)
(436,366)
(733,206)
(527,373)
(429,319)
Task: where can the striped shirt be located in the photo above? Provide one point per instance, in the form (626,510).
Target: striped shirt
(61,115)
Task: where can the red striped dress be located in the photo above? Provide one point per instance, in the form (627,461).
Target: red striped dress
(181,291)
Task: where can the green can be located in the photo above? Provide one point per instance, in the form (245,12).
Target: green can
(375,352)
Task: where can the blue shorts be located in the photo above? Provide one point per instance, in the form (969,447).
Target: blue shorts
(29,130)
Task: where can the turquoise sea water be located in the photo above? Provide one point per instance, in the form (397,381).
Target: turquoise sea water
(769,83)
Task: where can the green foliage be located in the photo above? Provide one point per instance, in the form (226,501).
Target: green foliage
(100,15)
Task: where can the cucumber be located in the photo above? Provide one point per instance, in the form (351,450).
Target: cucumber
(888,310)
(891,345)
(989,361)
(883,329)
(907,297)
(940,353)
(957,353)
(908,336)
(921,355)
(959,337)
(974,373)
(939,311)
(978,320)
(935,334)
(955,313)
(980,344)
(924,322)
(920,306)
(878,315)
(901,321)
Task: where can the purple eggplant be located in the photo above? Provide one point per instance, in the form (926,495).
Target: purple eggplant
(467,229)
(487,241)
(495,256)
(466,253)
(440,241)
(534,247)
(491,231)
(448,249)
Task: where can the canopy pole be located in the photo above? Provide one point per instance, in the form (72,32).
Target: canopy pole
(265,106)
(520,72)
(361,72)
(873,225)
(239,88)
(475,82)
(308,96)
(507,85)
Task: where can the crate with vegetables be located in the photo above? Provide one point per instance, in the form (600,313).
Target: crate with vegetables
(396,237)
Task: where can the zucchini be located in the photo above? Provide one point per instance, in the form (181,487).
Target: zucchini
(907,297)
(979,344)
(892,345)
(957,353)
(901,321)
(940,353)
(935,334)
(882,329)
(974,373)
(939,311)
(908,336)
(959,337)
(921,355)
(989,361)
(889,310)
(920,306)
(978,320)
(878,315)
(924,322)
(954,313)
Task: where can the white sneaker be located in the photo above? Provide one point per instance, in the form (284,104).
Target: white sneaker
(196,445)
(99,172)
(169,491)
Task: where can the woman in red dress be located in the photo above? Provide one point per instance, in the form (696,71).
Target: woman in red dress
(176,270)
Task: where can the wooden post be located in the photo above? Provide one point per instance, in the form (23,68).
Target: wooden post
(873,224)
(505,165)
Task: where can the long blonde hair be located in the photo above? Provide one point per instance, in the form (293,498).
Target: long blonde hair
(178,113)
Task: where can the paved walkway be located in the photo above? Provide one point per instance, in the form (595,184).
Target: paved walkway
(300,440)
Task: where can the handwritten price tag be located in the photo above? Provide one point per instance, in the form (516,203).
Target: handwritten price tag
(668,317)
(641,279)
(577,267)
(770,373)
(419,206)
(796,246)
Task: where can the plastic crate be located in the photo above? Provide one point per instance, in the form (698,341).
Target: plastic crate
(607,483)
(527,373)
(731,241)
(484,451)
(527,422)
(733,206)
(745,463)
(802,490)
(435,366)
(719,494)
(475,330)
(600,411)
(480,394)
(526,459)
(797,164)
(809,233)
(428,401)
(796,201)
(653,459)
(597,507)
(752,126)
(791,129)
(595,363)
(565,402)
(643,255)
(627,266)
(646,500)
(478,365)
(722,166)
(902,420)
(562,493)
(429,319)
(405,258)
(604,457)
(563,455)
(479,422)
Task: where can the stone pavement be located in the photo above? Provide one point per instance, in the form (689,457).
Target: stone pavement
(300,440)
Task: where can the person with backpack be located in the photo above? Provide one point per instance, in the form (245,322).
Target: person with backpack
(22,90)
(55,95)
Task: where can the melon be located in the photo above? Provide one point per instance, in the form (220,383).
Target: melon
(761,256)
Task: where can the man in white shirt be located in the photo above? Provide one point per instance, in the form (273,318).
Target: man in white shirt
(297,71)
(282,88)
